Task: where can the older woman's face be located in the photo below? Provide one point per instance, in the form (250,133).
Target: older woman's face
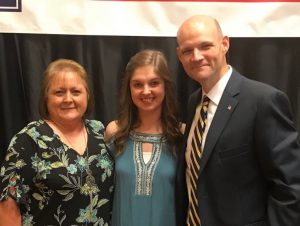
(67,97)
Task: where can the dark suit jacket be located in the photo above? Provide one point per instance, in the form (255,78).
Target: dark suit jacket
(250,169)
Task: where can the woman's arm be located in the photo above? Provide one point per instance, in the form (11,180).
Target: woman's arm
(9,213)
(182,127)
(110,130)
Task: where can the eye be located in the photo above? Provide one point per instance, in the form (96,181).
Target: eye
(76,92)
(137,85)
(154,83)
(59,93)
(186,52)
(206,46)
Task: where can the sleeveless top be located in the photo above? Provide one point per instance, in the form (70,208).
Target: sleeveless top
(144,192)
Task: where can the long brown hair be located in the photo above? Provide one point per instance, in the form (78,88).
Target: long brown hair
(128,113)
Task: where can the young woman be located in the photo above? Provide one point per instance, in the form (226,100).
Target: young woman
(144,139)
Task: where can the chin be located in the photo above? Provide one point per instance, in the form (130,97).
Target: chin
(72,118)
(146,109)
(200,77)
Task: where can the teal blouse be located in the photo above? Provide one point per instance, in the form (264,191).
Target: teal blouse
(144,192)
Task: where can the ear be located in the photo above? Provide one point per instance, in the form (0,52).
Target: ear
(225,44)
(178,52)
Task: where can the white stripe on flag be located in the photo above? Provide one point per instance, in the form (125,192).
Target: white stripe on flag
(150,18)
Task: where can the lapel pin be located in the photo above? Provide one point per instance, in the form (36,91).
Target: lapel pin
(229,107)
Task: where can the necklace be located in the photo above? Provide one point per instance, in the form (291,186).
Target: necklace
(90,180)
(76,147)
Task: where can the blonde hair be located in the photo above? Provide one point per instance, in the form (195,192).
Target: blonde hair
(54,68)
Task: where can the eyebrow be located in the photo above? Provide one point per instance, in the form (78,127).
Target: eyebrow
(138,80)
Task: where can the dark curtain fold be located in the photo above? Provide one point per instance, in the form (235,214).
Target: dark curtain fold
(23,58)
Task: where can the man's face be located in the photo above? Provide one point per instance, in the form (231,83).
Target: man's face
(202,50)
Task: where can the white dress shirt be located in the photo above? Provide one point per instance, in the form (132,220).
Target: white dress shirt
(214,95)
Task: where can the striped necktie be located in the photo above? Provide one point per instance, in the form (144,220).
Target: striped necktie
(196,154)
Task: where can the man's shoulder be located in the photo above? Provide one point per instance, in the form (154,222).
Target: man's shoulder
(252,85)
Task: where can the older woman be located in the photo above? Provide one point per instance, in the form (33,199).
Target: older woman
(57,170)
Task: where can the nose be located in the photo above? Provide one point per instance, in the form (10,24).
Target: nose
(197,55)
(146,89)
(68,97)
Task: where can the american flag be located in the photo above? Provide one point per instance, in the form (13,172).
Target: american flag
(239,18)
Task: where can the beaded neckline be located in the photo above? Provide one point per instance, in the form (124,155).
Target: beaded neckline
(147,137)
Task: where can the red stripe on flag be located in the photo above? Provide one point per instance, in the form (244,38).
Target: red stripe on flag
(242,1)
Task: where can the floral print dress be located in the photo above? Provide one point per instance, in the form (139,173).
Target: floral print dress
(52,183)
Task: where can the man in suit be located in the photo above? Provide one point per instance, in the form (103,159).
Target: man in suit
(249,154)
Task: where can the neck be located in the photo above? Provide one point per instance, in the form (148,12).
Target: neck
(68,127)
(149,123)
(75,135)
(208,84)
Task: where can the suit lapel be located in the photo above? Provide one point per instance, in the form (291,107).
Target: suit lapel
(223,113)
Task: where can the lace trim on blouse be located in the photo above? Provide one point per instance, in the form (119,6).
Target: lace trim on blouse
(145,171)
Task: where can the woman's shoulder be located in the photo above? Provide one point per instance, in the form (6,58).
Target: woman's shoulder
(28,136)
(110,130)
(95,125)
(31,127)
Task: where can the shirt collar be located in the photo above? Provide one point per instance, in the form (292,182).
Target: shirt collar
(217,90)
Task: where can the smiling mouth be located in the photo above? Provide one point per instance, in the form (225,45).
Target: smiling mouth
(68,108)
(148,99)
(200,66)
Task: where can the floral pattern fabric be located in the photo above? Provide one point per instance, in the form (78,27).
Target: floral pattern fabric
(52,183)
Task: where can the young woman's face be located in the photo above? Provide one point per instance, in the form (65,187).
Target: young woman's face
(147,89)
(67,97)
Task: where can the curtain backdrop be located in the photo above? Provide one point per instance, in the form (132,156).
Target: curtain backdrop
(23,58)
